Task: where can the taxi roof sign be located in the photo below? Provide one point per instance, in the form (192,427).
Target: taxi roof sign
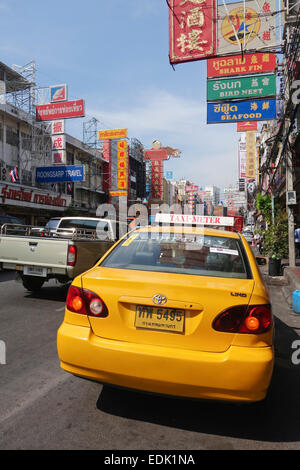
(195,219)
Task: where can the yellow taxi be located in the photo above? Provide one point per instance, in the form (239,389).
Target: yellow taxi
(173,310)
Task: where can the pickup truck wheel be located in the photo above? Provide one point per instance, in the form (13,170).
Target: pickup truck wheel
(32,283)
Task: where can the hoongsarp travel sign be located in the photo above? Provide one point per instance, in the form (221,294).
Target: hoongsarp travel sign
(241,87)
(235,111)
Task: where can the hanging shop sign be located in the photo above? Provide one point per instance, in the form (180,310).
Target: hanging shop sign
(242,159)
(246,64)
(246,126)
(250,154)
(192,34)
(256,86)
(60,174)
(57,127)
(112,134)
(156,154)
(247,26)
(61,110)
(250,110)
(157,172)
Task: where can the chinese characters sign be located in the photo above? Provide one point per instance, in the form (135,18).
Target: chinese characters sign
(250,154)
(250,110)
(157,179)
(260,62)
(122,165)
(246,26)
(241,87)
(192,33)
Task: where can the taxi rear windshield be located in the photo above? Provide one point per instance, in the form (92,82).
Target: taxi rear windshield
(201,255)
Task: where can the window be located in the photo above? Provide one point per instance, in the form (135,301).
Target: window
(12,137)
(179,253)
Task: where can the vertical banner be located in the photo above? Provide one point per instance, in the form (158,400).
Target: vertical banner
(157,179)
(192,31)
(250,154)
(122,165)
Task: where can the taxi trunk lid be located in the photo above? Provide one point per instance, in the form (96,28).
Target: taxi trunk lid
(134,317)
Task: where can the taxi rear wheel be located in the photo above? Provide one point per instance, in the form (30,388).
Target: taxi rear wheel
(32,284)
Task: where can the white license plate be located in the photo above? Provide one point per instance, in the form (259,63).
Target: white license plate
(35,271)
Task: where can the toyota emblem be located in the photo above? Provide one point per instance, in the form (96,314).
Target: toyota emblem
(159,299)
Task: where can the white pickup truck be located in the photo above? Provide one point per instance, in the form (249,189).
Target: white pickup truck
(74,246)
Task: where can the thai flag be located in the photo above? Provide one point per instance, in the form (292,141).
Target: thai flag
(14,175)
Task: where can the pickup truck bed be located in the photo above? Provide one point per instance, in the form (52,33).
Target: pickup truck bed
(39,259)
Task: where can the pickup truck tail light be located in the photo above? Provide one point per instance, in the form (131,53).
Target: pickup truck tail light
(86,302)
(72,255)
(252,319)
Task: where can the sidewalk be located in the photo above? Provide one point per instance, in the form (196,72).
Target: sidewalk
(281,290)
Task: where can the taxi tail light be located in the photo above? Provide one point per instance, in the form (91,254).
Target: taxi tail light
(252,319)
(83,301)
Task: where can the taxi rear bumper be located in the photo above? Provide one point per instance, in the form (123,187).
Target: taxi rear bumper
(237,374)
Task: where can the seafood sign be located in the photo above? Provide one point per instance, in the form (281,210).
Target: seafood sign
(250,110)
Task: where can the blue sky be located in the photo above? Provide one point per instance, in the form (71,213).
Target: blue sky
(114,55)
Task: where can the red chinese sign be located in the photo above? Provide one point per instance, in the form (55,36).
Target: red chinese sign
(66,109)
(157,154)
(192,34)
(157,179)
(240,65)
(246,126)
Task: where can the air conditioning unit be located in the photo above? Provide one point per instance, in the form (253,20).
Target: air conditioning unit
(291,198)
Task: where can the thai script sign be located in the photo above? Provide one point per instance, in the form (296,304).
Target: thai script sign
(56,174)
(247,64)
(22,196)
(112,134)
(192,34)
(234,111)
(241,87)
(247,26)
(63,110)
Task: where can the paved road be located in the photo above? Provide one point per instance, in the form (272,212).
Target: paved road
(42,407)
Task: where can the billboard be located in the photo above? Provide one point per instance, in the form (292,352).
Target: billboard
(246,64)
(62,110)
(192,31)
(247,26)
(59,174)
(256,86)
(234,111)
(112,134)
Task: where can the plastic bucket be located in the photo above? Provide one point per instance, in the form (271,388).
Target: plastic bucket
(296,301)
